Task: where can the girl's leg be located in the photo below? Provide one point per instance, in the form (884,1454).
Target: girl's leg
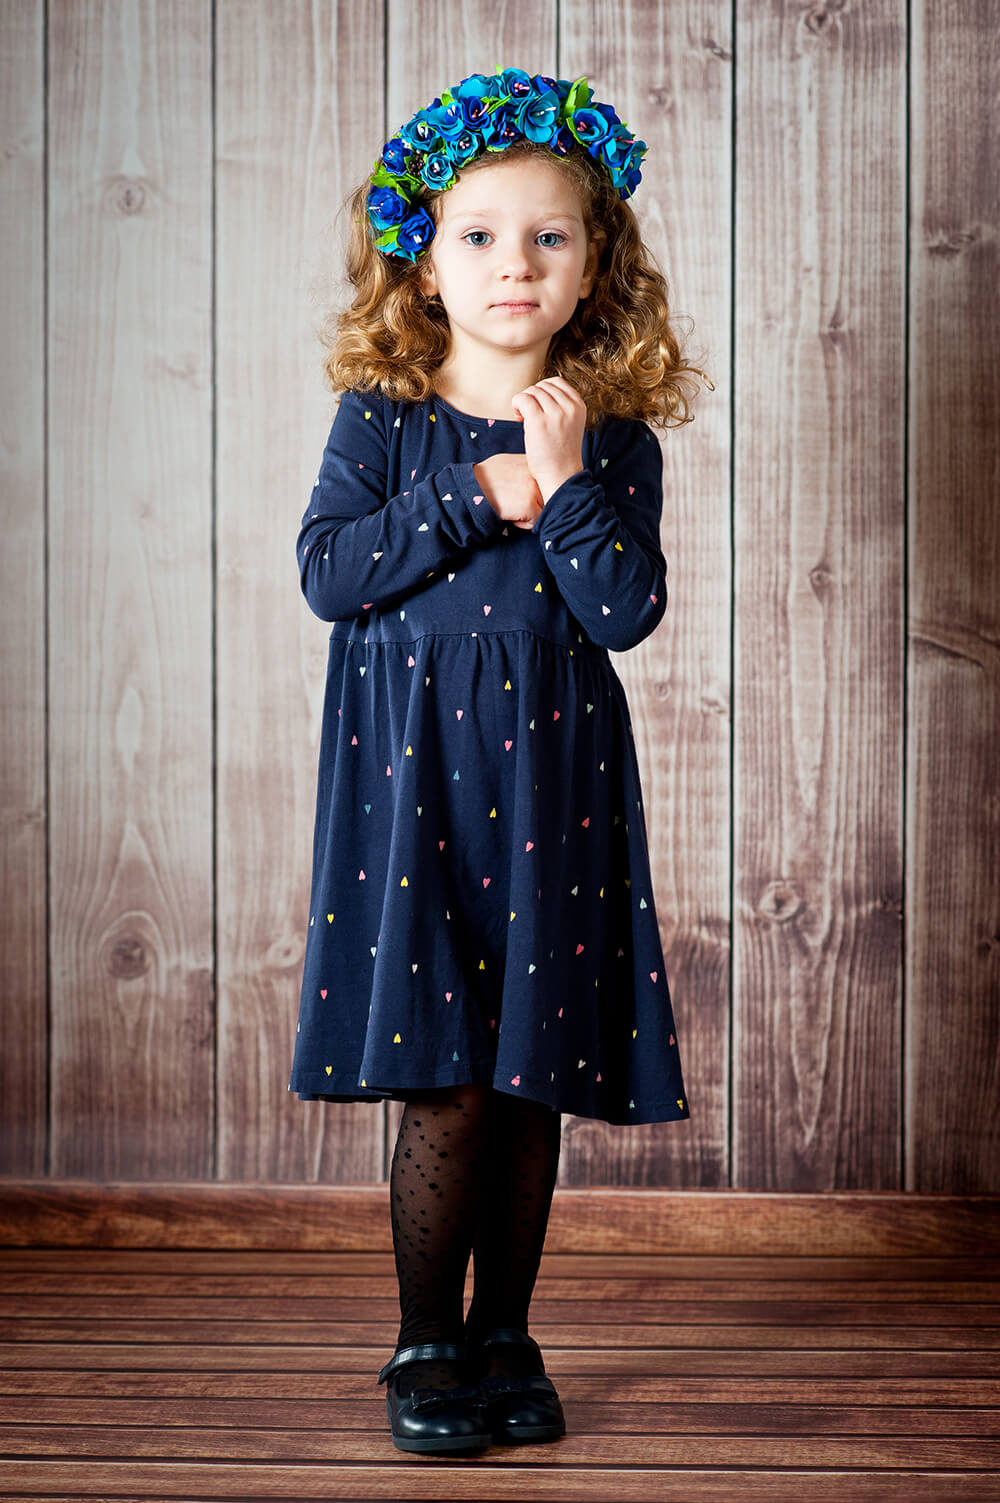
(435,1185)
(523,1143)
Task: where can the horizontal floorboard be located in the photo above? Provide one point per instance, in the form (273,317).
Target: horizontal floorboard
(317,1366)
(293,1299)
(355,1218)
(632,1448)
(701,1415)
(151,1264)
(129,1482)
(694,1314)
(238,1373)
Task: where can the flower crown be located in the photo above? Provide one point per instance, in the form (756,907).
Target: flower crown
(486,114)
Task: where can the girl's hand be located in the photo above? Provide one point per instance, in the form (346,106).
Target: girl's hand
(554,416)
(509,487)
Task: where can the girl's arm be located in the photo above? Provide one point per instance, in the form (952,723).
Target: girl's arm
(356,548)
(600,534)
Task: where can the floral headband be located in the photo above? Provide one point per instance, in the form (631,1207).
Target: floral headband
(486,114)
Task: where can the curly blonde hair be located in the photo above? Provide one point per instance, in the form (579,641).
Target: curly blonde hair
(619,349)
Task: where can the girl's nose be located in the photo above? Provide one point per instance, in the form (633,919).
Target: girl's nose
(515,261)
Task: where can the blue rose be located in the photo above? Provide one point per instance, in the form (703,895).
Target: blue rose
(446,120)
(538,116)
(464,147)
(473,96)
(437,171)
(542,84)
(513,84)
(614,150)
(386,208)
(562,142)
(630,168)
(394,154)
(589,127)
(500,129)
(418,133)
(622,157)
(415,234)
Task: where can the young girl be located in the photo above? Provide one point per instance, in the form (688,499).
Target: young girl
(482,940)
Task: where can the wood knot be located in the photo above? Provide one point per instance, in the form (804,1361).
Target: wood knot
(950,242)
(125,195)
(781,901)
(127,958)
(819,18)
(820,578)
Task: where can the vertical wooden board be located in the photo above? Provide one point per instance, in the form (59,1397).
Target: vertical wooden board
(668,75)
(129,599)
(820,262)
(953,799)
(426,51)
(299,120)
(22,590)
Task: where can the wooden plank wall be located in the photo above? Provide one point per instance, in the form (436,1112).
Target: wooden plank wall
(818,602)
(816,718)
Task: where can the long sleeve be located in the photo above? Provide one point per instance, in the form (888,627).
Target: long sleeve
(601,537)
(356,547)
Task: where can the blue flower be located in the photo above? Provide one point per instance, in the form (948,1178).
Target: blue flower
(446,120)
(463,148)
(487,113)
(438,170)
(386,208)
(513,84)
(473,97)
(415,234)
(589,127)
(501,129)
(394,154)
(538,116)
(418,133)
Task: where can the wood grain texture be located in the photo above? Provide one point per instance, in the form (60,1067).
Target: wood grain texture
(23,894)
(183,1395)
(129,588)
(312,1217)
(820,227)
(173,174)
(296,118)
(953,801)
(668,73)
(525,1483)
(124,1271)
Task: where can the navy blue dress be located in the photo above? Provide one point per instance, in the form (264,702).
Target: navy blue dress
(481,906)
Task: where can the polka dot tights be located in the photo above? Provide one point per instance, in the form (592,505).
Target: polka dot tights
(473,1173)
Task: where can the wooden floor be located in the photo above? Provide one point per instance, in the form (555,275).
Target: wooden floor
(233,1373)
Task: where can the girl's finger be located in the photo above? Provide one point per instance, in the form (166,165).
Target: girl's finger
(543,395)
(565,395)
(555,398)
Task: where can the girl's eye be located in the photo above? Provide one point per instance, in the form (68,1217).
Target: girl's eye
(559,237)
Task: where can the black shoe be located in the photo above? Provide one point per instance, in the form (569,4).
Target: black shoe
(520,1408)
(435,1419)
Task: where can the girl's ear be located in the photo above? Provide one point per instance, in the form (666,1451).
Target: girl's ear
(427,282)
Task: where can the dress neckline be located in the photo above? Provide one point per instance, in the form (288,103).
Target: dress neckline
(469,417)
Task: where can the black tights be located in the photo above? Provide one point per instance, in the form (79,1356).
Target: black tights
(473,1171)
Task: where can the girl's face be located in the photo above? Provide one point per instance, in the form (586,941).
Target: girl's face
(511,233)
